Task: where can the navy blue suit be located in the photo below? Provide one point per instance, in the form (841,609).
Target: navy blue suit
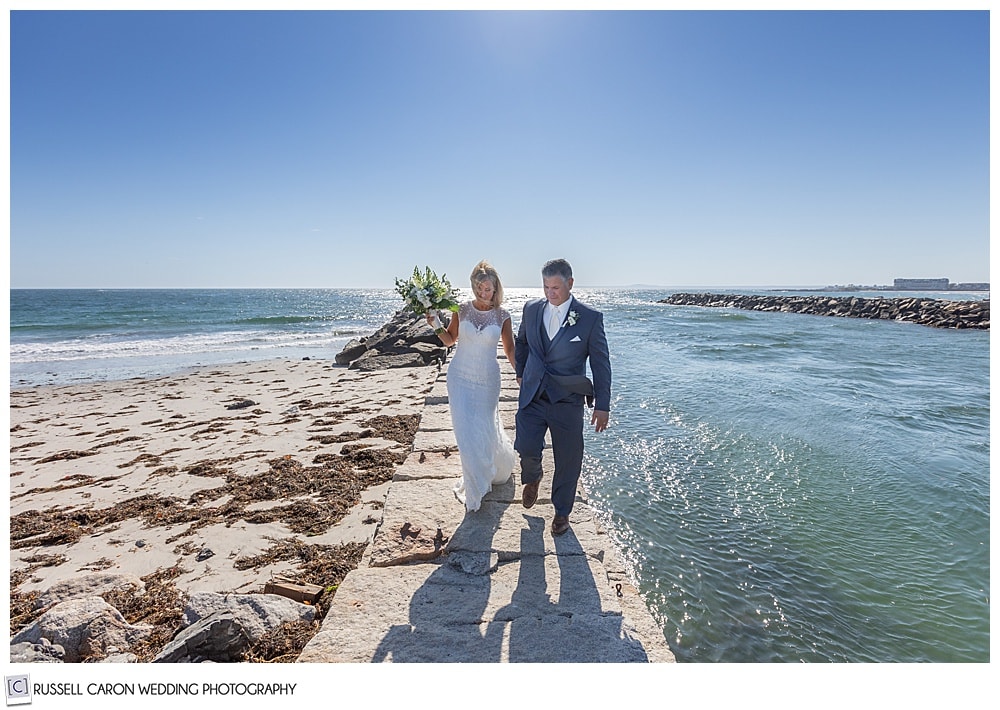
(553,390)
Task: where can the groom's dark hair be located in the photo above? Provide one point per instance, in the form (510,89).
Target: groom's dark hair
(557,267)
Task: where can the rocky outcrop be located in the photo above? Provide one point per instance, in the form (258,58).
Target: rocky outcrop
(89,585)
(405,341)
(80,626)
(43,651)
(257,613)
(933,312)
(222,628)
(84,627)
(218,638)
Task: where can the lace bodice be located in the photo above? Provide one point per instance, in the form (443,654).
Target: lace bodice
(481,319)
(475,356)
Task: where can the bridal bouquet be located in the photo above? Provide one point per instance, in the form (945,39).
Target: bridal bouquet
(425,292)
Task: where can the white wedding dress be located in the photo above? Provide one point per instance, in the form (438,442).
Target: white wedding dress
(473,395)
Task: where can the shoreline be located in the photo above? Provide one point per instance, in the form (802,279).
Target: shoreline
(124,370)
(151,520)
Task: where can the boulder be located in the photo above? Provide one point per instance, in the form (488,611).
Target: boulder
(90,585)
(84,627)
(430,353)
(41,652)
(406,334)
(120,657)
(351,352)
(386,362)
(257,613)
(218,637)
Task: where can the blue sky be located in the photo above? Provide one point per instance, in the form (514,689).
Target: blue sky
(341,149)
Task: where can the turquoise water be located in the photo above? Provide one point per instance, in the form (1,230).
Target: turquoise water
(799,488)
(58,336)
(786,487)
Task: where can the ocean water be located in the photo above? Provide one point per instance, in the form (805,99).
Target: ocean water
(785,488)
(60,336)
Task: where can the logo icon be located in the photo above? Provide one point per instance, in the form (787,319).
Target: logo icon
(18,690)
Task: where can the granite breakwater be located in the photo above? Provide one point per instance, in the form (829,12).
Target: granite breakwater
(932,312)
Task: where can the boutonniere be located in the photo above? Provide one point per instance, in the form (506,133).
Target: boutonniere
(571,318)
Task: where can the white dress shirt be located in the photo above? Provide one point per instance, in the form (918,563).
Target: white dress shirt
(552,325)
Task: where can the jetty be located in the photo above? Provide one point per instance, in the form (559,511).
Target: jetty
(932,312)
(437,584)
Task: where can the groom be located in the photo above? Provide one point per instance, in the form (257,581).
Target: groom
(556,337)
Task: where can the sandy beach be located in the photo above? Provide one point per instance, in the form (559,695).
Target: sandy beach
(217,479)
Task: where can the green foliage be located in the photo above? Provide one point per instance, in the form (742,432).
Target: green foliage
(424,292)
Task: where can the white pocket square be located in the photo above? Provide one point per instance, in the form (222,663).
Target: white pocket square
(576,339)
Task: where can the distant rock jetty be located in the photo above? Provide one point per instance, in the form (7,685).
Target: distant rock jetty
(405,341)
(933,312)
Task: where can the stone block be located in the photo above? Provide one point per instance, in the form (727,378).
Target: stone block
(512,531)
(429,464)
(417,521)
(435,440)
(507,417)
(438,393)
(435,417)
(536,609)
(304,593)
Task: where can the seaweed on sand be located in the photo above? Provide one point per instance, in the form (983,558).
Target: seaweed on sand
(323,565)
(400,428)
(319,497)
(160,605)
(23,606)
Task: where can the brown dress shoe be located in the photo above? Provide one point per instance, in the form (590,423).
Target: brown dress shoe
(560,524)
(530,494)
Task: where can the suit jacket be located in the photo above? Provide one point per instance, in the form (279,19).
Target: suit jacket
(559,367)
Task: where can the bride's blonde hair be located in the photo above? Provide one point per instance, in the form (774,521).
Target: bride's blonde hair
(484,271)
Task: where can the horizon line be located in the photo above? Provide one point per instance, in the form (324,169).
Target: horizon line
(852,286)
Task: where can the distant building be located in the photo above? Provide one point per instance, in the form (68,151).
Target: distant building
(920,284)
(936,285)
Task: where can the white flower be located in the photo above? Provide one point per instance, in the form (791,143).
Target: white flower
(420,296)
(571,318)
(424,292)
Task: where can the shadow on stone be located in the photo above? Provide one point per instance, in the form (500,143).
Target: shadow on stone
(446,612)
(574,627)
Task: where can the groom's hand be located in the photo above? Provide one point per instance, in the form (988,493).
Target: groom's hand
(600,420)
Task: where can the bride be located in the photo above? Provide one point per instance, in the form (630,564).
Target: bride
(474,386)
